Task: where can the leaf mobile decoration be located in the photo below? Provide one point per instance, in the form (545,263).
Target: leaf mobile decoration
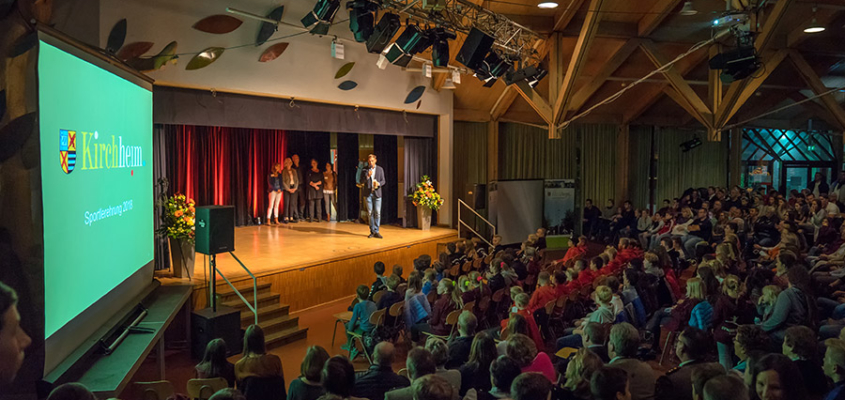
(218,24)
(419,103)
(149,64)
(344,70)
(347,85)
(134,50)
(267,29)
(415,94)
(205,58)
(116,37)
(273,52)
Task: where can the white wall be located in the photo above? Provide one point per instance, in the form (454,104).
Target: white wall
(306,70)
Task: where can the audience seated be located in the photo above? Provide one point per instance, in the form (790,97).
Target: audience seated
(440,353)
(531,386)
(777,377)
(520,304)
(419,364)
(622,347)
(308,386)
(800,345)
(692,348)
(379,283)
(360,321)
(460,345)
(214,363)
(338,377)
(703,373)
(256,363)
(13,340)
(594,339)
(750,340)
(522,349)
(380,378)
(579,370)
(475,373)
(432,387)
(609,383)
(71,391)
(834,368)
(725,387)
(449,300)
(417,308)
(503,371)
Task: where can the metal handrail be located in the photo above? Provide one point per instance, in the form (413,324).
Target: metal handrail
(460,221)
(252,307)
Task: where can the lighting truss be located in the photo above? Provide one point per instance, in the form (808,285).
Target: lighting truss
(511,39)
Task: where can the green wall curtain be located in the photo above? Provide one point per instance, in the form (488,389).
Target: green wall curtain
(470,157)
(639,160)
(677,171)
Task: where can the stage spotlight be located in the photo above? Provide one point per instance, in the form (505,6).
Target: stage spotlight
(736,64)
(538,76)
(362,18)
(387,26)
(492,68)
(320,19)
(533,74)
(690,144)
(440,46)
(406,45)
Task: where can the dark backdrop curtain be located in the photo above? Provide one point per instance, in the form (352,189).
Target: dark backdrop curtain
(419,160)
(223,166)
(162,251)
(308,145)
(348,201)
(385,148)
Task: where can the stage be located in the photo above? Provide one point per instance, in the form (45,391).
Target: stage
(309,264)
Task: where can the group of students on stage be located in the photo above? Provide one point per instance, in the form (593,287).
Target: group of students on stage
(300,187)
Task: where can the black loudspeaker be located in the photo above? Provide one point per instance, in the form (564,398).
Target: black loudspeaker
(387,26)
(475,48)
(206,325)
(476,195)
(215,229)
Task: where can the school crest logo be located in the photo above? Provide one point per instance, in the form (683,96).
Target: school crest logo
(67,150)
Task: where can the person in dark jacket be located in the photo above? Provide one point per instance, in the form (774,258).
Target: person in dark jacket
(819,185)
(691,347)
(380,377)
(834,368)
(799,344)
(794,306)
(214,363)
(459,346)
(314,191)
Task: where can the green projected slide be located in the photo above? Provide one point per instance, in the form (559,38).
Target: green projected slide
(97,180)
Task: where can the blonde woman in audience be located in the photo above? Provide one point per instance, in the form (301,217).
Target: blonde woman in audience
(308,386)
(523,350)
(579,370)
(603,296)
(440,352)
(766,302)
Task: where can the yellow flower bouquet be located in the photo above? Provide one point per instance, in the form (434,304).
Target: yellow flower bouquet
(426,196)
(178,218)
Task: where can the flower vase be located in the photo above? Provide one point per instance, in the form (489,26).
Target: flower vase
(424,218)
(182,256)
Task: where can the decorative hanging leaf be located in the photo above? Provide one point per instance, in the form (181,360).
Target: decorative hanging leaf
(419,103)
(116,37)
(218,24)
(273,52)
(267,29)
(344,70)
(415,94)
(205,58)
(149,64)
(347,85)
(15,134)
(134,50)
(23,44)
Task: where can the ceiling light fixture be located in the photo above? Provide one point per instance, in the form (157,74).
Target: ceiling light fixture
(547,5)
(688,9)
(814,26)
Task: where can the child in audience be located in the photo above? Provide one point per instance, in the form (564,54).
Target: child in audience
(545,293)
(214,363)
(429,281)
(560,283)
(602,315)
(417,308)
(397,270)
(255,361)
(579,370)
(378,268)
(585,278)
(577,249)
(360,321)
(449,300)
(390,297)
(520,304)
(468,294)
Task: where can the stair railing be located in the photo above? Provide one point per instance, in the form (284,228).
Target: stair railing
(252,307)
(462,204)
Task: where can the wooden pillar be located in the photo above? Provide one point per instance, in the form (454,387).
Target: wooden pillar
(735,157)
(623,140)
(579,192)
(557,71)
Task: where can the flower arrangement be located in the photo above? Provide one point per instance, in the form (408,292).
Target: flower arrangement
(178,218)
(426,196)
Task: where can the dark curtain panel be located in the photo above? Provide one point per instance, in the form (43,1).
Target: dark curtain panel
(385,148)
(308,145)
(162,251)
(419,160)
(223,166)
(348,201)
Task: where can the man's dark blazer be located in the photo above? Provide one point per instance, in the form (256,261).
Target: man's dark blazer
(368,184)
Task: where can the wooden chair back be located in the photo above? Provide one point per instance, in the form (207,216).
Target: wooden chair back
(476,265)
(158,390)
(432,296)
(402,288)
(586,290)
(467,267)
(377,296)
(484,304)
(377,317)
(499,295)
(573,295)
(469,306)
(531,281)
(455,271)
(204,388)
(488,259)
(550,307)
(397,309)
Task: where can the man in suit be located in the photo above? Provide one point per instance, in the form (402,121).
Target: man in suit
(373,180)
(420,363)
(691,347)
(622,348)
(380,378)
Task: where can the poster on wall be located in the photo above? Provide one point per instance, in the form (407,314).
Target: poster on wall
(559,205)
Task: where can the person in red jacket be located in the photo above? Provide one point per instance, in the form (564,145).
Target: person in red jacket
(573,274)
(521,308)
(576,250)
(561,288)
(586,277)
(545,293)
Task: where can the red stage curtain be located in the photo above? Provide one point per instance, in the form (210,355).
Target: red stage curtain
(223,166)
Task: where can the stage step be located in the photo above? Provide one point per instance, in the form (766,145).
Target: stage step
(278,324)
(269,312)
(286,336)
(264,300)
(226,294)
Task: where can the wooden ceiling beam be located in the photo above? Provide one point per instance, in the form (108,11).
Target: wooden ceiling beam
(579,57)
(535,100)
(655,16)
(695,104)
(764,39)
(772,61)
(608,68)
(812,109)
(564,17)
(815,83)
(508,96)
(607,29)
(682,101)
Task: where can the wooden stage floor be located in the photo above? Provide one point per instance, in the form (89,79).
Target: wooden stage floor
(321,255)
